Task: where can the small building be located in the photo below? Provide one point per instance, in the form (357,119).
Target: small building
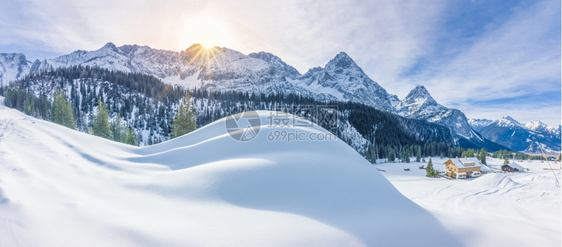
(512,167)
(463,168)
(485,169)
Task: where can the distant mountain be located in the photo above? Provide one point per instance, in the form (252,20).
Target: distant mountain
(214,69)
(148,106)
(542,128)
(419,104)
(13,66)
(523,137)
(478,124)
(345,80)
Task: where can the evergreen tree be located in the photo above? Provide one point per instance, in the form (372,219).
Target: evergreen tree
(130,138)
(185,120)
(506,161)
(62,112)
(101,126)
(430,172)
(483,155)
(418,155)
(391,155)
(406,156)
(118,130)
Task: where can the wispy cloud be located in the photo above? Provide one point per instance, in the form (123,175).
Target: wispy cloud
(518,59)
(467,53)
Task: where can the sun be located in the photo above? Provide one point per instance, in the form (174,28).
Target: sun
(206,47)
(206,29)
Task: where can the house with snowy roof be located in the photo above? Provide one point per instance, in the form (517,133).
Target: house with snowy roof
(463,168)
(512,167)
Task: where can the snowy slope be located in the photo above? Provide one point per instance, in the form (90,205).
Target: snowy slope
(497,209)
(59,187)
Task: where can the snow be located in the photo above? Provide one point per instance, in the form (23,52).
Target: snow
(542,127)
(496,209)
(60,187)
(189,82)
(508,122)
(319,89)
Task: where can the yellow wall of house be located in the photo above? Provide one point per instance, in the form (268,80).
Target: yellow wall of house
(453,168)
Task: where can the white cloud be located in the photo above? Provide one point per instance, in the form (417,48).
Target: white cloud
(383,37)
(520,58)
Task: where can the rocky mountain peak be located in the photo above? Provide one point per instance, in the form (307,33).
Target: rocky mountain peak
(543,128)
(507,121)
(342,61)
(419,96)
(277,63)
(110,46)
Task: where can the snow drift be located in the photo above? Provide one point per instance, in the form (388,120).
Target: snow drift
(60,187)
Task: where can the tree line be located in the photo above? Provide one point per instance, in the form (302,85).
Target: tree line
(149,108)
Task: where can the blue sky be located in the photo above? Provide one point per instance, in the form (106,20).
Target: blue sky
(486,58)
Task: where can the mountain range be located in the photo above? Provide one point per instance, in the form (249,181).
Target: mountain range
(226,69)
(531,137)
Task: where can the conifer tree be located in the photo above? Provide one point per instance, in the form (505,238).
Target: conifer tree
(101,126)
(506,161)
(61,111)
(391,155)
(118,130)
(185,120)
(130,138)
(430,172)
(483,155)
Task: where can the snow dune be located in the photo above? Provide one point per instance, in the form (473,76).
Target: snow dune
(59,187)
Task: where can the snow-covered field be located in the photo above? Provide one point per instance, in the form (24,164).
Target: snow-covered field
(60,187)
(496,209)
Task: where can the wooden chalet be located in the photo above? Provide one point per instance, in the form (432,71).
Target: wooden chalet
(512,167)
(463,168)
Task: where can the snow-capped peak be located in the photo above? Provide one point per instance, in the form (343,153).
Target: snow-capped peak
(288,70)
(419,96)
(342,61)
(13,66)
(110,46)
(343,79)
(478,124)
(539,126)
(420,105)
(507,121)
